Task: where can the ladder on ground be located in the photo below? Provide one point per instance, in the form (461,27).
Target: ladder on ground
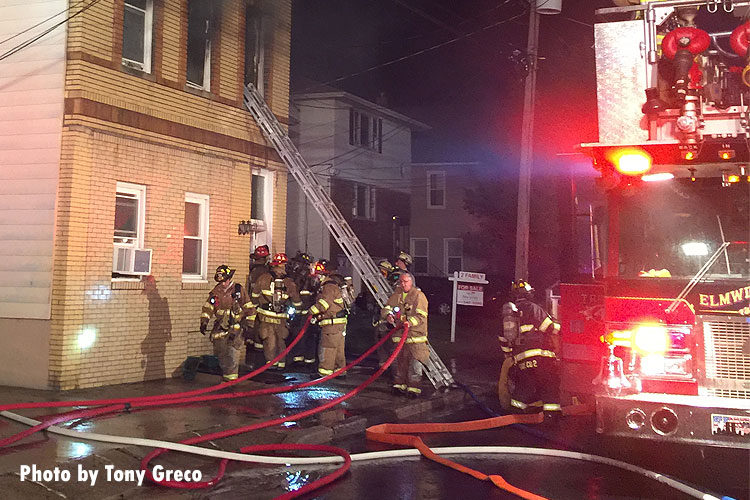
(435,369)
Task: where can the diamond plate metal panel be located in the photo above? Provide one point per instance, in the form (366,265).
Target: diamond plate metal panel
(621,70)
(727,366)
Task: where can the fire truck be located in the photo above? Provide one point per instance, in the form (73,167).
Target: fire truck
(661,324)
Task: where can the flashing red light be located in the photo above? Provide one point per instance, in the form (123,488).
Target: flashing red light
(631,161)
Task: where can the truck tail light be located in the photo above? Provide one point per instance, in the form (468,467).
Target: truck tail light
(631,161)
(651,339)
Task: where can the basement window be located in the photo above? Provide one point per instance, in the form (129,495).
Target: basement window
(200,25)
(137,27)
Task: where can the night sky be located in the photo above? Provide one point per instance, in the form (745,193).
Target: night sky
(465,85)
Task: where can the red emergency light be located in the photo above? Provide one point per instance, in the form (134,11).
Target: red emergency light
(631,161)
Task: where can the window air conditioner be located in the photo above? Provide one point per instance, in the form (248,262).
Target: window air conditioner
(129,260)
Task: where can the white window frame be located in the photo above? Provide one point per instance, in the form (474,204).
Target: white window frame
(441,174)
(203,201)
(370,202)
(414,254)
(148,26)
(374,140)
(264,235)
(139,192)
(446,256)
(206,85)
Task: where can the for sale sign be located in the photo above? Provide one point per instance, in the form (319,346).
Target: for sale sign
(470,295)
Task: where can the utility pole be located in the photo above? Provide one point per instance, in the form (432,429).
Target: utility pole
(527,149)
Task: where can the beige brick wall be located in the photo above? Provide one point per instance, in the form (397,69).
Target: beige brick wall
(142,331)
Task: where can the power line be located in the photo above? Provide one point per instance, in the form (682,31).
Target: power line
(428,49)
(44,33)
(40,23)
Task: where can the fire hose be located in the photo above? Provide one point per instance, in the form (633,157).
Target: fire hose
(377,433)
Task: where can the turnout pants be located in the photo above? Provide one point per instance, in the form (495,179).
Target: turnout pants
(531,384)
(305,350)
(331,353)
(381,330)
(228,349)
(273,335)
(408,373)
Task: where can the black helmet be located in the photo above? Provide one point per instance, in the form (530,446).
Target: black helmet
(223,273)
(521,289)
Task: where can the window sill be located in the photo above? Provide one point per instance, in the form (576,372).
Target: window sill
(188,284)
(127,284)
(199,91)
(146,75)
(436,207)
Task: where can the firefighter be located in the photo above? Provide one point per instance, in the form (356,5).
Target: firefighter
(302,271)
(403,261)
(530,341)
(258,267)
(275,297)
(330,313)
(232,310)
(408,305)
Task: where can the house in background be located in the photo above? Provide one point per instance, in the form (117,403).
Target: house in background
(439,221)
(361,154)
(127,161)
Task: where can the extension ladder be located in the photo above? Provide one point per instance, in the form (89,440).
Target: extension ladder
(435,369)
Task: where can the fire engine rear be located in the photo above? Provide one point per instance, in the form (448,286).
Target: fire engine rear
(662,324)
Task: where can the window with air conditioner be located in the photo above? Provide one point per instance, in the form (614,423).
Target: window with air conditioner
(201,22)
(420,252)
(195,239)
(129,258)
(137,30)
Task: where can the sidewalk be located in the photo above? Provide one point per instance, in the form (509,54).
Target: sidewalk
(474,363)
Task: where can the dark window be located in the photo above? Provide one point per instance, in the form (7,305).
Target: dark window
(257,198)
(253,46)
(126,217)
(200,24)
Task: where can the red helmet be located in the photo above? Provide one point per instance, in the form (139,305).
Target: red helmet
(321,267)
(279,259)
(261,251)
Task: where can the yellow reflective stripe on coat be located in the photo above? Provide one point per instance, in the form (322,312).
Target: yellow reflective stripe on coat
(526,328)
(415,390)
(255,295)
(414,321)
(333,321)
(411,340)
(338,301)
(551,407)
(314,310)
(231,376)
(305,292)
(534,352)
(266,312)
(422,313)
(267,292)
(205,315)
(247,305)
(323,304)
(545,324)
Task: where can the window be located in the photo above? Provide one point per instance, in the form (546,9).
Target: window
(136,34)
(200,26)
(364,202)
(254,47)
(195,239)
(365,131)
(420,253)
(454,255)
(130,214)
(435,189)
(257,198)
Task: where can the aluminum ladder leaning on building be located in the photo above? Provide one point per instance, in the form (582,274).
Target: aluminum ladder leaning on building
(435,369)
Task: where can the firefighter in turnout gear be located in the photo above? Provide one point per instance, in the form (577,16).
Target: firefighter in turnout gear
(408,305)
(330,313)
(231,309)
(275,297)
(258,267)
(301,270)
(530,341)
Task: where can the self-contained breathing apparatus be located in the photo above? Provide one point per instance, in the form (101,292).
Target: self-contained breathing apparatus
(347,293)
(511,324)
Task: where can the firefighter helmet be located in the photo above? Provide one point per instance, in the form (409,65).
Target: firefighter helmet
(323,266)
(223,273)
(405,258)
(386,268)
(279,259)
(261,252)
(521,289)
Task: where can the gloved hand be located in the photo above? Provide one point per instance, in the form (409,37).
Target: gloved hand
(203,328)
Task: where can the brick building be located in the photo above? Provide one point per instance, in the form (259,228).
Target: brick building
(123,131)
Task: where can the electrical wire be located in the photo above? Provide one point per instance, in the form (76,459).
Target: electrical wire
(44,33)
(40,23)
